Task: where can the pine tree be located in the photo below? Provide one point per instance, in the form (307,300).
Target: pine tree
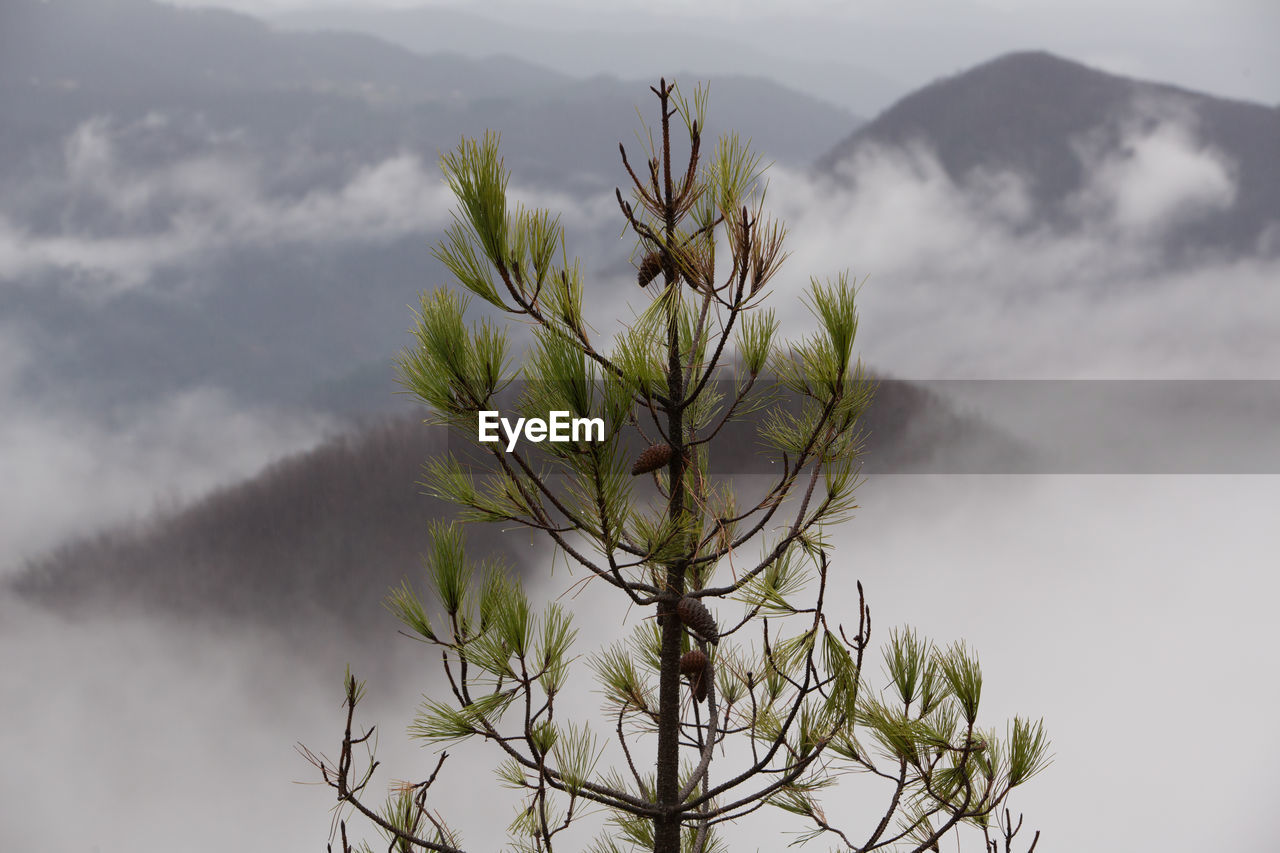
(742,690)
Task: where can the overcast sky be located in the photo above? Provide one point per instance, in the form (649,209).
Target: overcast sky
(1224,47)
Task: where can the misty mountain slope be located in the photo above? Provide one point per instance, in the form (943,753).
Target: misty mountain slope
(314,542)
(309,545)
(1061,127)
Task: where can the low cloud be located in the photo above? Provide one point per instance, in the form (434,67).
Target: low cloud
(1093,601)
(960,280)
(113,216)
(1096,602)
(117,222)
(1155,179)
(171,726)
(66,473)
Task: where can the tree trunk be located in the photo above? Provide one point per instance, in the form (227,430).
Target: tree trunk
(666,827)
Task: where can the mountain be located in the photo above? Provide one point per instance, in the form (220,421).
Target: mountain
(645,48)
(313,543)
(138,47)
(1053,122)
(128,57)
(179,187)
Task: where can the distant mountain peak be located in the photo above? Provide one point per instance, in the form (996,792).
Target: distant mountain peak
(1049,121)
(1032,60)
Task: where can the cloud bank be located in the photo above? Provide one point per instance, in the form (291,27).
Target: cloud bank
(1114,606)
(119,221)
(67,473)
(961,280)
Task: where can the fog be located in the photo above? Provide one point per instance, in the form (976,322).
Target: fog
(1133,613)
(122,221)
(987,292)
(1129,611)
(66,472)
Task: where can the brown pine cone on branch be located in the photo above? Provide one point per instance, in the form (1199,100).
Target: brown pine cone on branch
(697,667)
(653,458)
(698,619)
(649,268)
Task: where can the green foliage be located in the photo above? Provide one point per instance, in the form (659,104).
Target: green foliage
(769,591)
(755,339)
(455,371)
(963,676)
(680,546)
(450,574)
(1028,750)
(626,689)
(405,605)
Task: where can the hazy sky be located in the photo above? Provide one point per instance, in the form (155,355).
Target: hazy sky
(1224,47)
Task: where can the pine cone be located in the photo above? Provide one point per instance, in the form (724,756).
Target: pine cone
(649,268)
(653,458)
(693,662)
(698,619)
(697,667)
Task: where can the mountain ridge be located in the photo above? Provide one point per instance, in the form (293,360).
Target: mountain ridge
(641,51)
(139,46)
(315,540)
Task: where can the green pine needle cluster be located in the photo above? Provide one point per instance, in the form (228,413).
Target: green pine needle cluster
(738,686)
